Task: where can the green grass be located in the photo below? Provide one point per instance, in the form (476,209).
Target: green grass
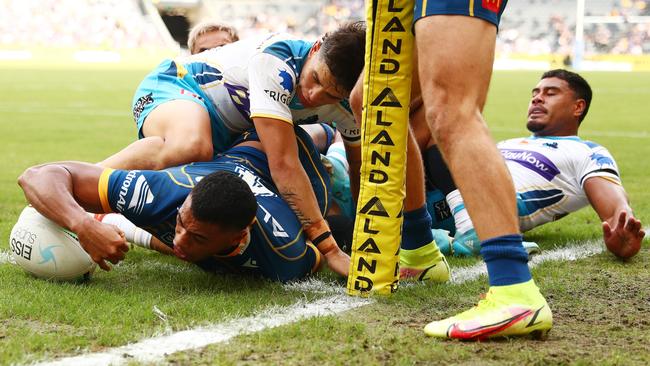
(600,304)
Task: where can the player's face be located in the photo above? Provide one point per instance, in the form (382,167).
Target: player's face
(317,86)
(195,240)
(553,109)
(210,40)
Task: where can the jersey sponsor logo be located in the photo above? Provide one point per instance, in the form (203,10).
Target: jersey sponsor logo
(278,230)
(601,159)
(124,189)
(254,182)
(141,195)
(533,161)
(141,104)
(491,5)
(250,263)
(286,80)
(283,98)
(552,145)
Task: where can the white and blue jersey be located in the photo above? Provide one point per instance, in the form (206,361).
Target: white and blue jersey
(254,77)
(549,175)
(277,250)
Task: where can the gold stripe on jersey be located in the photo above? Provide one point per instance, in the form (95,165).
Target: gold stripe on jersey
(273,116)
(471,8)
(276,250)
(424,8)
(181,71)
(316,265)
(189,178)
(102,189)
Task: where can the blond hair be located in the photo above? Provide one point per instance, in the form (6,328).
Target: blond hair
(207,27)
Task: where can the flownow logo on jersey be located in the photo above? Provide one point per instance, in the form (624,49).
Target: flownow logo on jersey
(533,161)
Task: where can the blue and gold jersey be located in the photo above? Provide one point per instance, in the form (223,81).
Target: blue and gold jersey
(278,249)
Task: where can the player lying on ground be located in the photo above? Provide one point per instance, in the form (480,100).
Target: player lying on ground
(555,172)
(223,215)
(192,107)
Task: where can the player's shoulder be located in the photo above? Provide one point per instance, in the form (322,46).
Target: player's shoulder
(287,48)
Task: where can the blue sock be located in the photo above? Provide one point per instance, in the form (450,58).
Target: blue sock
(506,260)
(416,230)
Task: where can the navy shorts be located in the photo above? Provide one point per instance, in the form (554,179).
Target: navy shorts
(488,10)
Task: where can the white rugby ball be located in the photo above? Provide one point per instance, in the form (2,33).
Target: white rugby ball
(46,250)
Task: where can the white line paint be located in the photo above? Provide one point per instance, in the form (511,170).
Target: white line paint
(5,257)
(570,253)
(155,349)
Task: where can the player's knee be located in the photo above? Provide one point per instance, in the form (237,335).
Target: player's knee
(449,120)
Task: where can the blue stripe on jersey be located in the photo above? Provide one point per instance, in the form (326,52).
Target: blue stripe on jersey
(208,75)
(531,201)
(591,144)
(292,52)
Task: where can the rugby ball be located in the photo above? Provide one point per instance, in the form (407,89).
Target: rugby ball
(46,250)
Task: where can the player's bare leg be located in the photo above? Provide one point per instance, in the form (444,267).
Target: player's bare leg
(454,77)
(176,132)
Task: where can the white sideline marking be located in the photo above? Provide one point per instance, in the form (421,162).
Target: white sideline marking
(5,257)
(155,349)
(571,253)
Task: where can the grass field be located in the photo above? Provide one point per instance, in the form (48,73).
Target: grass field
(600,304)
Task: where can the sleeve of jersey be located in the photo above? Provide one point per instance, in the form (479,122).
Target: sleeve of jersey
(272,84)
(599,163)
(143,197)
(346,125)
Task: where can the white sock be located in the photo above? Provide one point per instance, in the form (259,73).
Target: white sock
(461,216)
(132,233)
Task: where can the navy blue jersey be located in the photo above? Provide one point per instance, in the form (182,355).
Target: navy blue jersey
(278,247)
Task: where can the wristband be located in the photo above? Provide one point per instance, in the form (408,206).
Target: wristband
(320,238)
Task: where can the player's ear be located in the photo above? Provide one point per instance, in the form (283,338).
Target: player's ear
(316,47)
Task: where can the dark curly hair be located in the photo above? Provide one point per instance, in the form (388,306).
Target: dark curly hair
(223,198)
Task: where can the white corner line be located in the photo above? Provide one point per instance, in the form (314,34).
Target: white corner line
(156,348)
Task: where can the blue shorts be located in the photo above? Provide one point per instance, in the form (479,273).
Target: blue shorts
(168,82)
(488,10)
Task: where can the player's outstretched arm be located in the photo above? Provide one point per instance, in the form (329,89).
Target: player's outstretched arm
(63,192)
(622,232)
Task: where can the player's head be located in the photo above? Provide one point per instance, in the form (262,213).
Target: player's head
(214,218)
(559,103)
(210,34)
(333,66)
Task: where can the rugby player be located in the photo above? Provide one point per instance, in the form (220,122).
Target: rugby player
(555,172)
(210,34)
(455,41)
(223,215)
(192,107)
